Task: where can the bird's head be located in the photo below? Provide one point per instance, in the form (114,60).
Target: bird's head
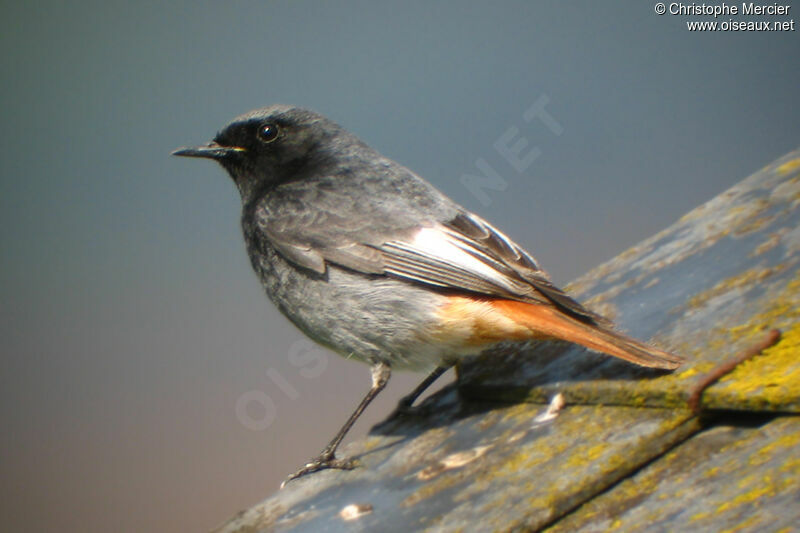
(273,145)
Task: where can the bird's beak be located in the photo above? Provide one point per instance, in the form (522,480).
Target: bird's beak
(211,150)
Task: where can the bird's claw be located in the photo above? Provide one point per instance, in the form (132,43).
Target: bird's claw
(322,462)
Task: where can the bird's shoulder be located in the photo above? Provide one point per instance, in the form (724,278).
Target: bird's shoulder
(365,205)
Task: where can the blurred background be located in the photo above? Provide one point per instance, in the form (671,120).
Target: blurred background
(147,383)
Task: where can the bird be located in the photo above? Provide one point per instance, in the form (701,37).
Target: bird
(370,260)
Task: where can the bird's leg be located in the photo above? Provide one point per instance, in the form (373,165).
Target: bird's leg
(405,403)
(381,372)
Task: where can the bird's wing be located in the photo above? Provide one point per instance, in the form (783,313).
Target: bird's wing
(462,253)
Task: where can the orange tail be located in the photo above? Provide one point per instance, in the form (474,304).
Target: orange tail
(547,322)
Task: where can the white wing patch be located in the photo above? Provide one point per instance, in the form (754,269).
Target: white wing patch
(436,254)
(436,243)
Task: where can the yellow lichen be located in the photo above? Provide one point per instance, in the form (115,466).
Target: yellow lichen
(702,515)
(690,372)
(748,278)
(744,525)
(431,489)
(769,379)
(771,242)
(753,225)
(789,167)
(790,440)
(370,443)
(760,486)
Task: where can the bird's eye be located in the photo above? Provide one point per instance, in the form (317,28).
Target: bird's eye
(268,132)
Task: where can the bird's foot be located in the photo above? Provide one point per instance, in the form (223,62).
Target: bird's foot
(323,462)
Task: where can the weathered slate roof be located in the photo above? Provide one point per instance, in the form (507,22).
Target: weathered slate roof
(626,452)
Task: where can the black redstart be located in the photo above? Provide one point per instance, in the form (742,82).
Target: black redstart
(370,260)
